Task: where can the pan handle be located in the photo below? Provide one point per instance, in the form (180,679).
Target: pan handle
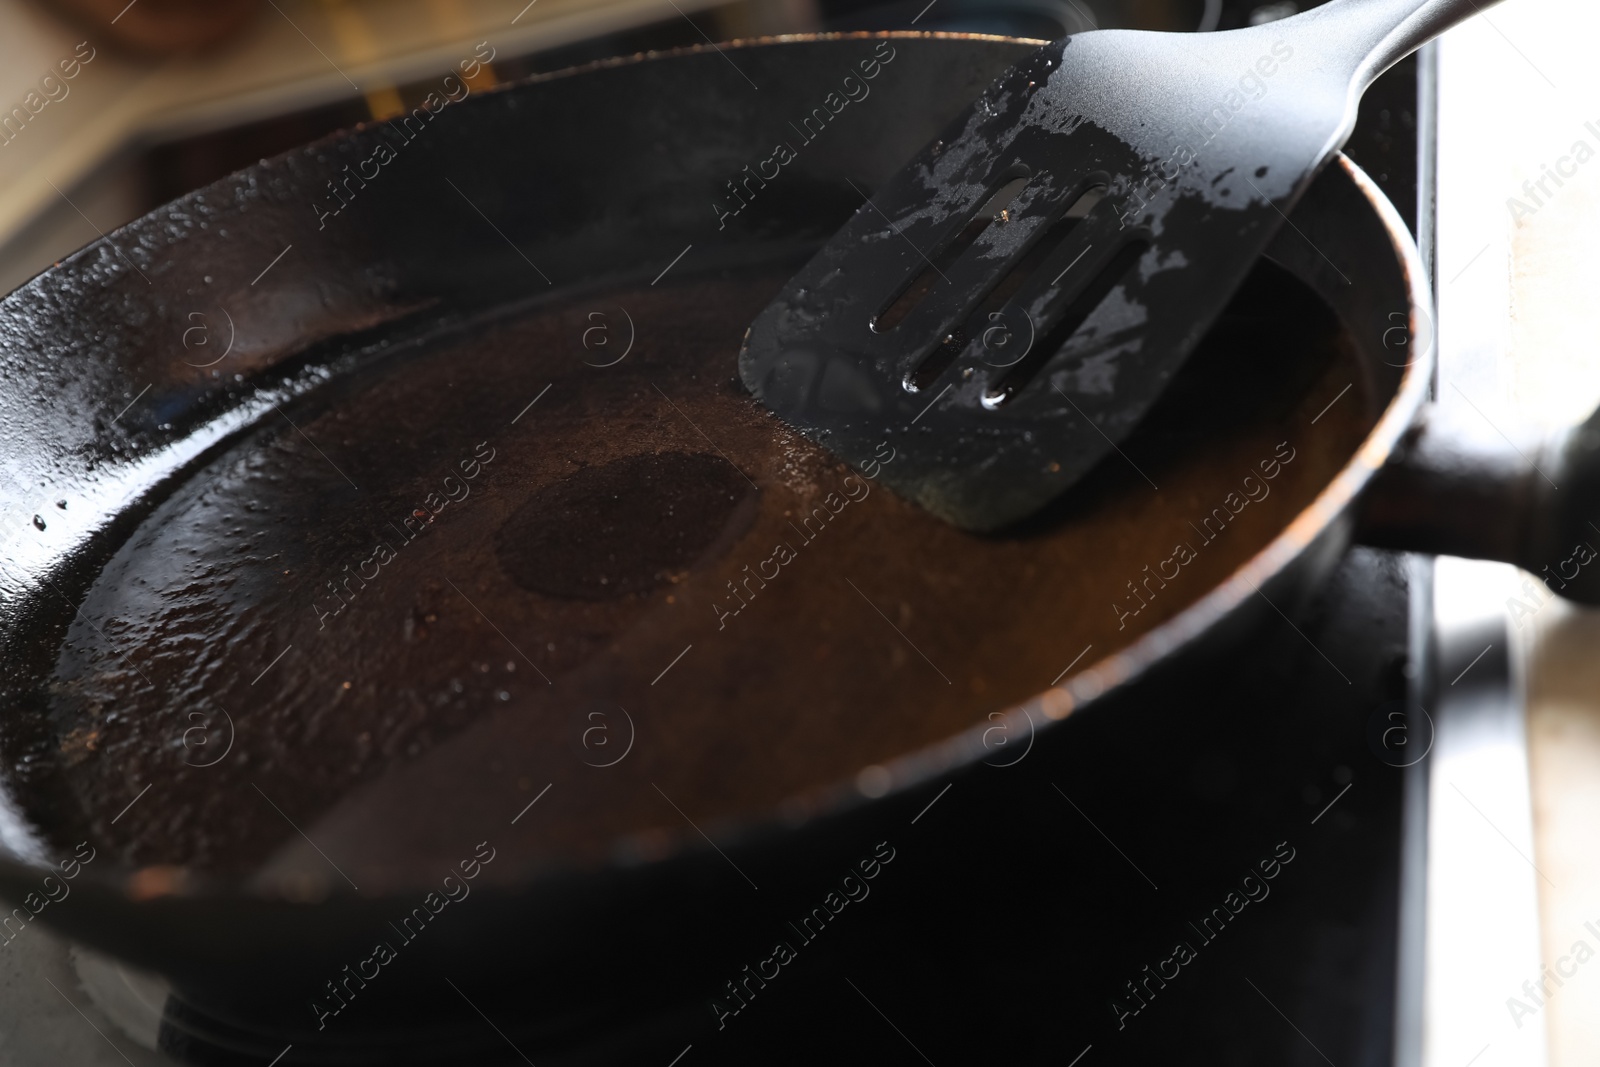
(1450,491)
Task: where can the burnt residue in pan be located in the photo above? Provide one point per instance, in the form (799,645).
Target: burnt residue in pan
(622,528)
(431,587)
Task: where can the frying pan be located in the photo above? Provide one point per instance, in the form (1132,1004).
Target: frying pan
(620,167)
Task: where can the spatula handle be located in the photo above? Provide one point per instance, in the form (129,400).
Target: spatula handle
(1376,34)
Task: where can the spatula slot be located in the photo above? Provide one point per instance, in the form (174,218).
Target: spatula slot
(931,367)
(989,212)
(1038,251)
(1074,316)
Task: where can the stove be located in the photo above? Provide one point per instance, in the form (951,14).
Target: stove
(1231,874)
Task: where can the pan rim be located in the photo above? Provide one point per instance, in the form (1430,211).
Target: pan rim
(1089,685)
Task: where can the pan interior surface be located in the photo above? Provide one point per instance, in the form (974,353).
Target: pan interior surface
(505,561)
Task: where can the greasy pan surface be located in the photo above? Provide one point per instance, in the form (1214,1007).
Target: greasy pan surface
(525,636)
(610,587)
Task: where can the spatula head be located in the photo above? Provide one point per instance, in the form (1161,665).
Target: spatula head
(1006,308)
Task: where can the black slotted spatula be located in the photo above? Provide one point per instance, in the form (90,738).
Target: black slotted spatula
(1009,304)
